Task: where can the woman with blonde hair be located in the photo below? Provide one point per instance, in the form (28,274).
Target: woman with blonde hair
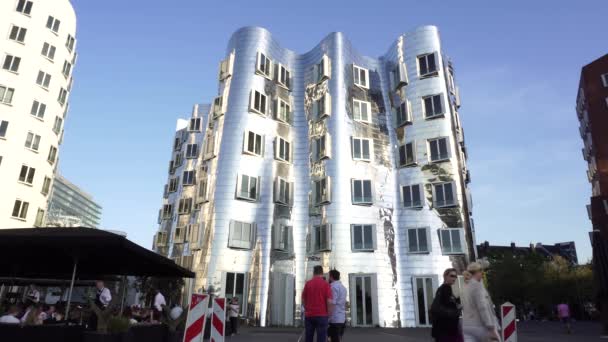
(479,322)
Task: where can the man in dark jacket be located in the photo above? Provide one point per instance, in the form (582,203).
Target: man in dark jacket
(445,311)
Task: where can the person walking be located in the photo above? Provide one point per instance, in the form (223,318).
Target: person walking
(233,313)
(337,319)
(316,298)
(159,303)
(102,300)
(563,312)
(479,322)
(445,311)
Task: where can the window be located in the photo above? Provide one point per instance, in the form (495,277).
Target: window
(57,125)
(283,191)
(17,34)
(52,155)
(254,144)
(39,218)
(202,190)
(362,191)
(189,177)
(321,238)
(48,51)
(361,110)
(20,209)
(67,68)
(407,154)
(191,151)
(226,68)
(427,65)
(209,145)
(179,160)
(361,149)
(323,69)
(24,7)
(433,106)
(11,63)
(69,43)
(3,128)
(283,76)
(322,191)
(400,76)
(247,187)
(242,235)
(63,95)
(412,196)
(451,240)
(46,186)
(32,141)
(363,237)
(38,109)
(6,94)
(236,286)
(439,149)
(264,65)
(443,195)
(196,124)
(258,102)
(322,147)
(283,112)
(282,238)
(418,240)
(178,236)
(322,107)
(185,206)
(43,79)
(282,150)
(173,184)
(53,24)
(167,211)
(361,77)
(218,106)
(27,174)
(403,115)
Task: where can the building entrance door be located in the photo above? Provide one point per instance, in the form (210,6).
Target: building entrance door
(363,298)
(424,292)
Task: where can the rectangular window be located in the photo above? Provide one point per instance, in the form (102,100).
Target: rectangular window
(247,187)
(191,151)
(209,145)
(3,128)
(444,195)
(242,235)
(361,77)
(46,186)
(189,178)
(11,63)
(282,238)
(283,76)
(179,159)
(38,109)
(48,51)
(53,24)
(283,112)
(322,238)
(69,43)
(32,141)
(63,95)
(361,110)
(167,211)
(427,65)
(178,237)
(363,237)
(451,240)
(407,154)
(605,80)
(17,34)
(322,147)
(202,190)
(323,69)
(6,94)
(57,125)
(52,155)
(439,149)
(196,124)
(236,286)
(39,218)
(264,65)
(412,196)
(362,149)
(20,209)
(218,106)
(433,106)
(282,150)
(43,79)
(321,108)
(322,191)
(173,184)
(254,144)
(283,191)
(225,68)
(258,102)
(185,205)
(67,69)
(27,174)
(400,76)
(25,7)
(403,115)
(418,240)
(362,191)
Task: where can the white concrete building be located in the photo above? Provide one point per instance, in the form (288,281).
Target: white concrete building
(37,56)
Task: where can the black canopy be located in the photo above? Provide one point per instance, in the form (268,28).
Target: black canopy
(52,252)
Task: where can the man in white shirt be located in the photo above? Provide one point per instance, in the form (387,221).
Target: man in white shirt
(337,317)
(11,316)
(159,302)
(104,297)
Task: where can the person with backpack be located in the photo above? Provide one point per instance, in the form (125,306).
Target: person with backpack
(445,311)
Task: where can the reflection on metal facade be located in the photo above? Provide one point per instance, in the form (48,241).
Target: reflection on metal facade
(329,158)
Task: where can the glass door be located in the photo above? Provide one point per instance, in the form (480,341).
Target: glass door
(424,292)
(363,299)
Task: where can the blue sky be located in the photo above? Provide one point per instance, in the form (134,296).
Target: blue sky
(143,64)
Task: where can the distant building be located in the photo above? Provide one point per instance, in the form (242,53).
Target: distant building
(70,206)
(566,250)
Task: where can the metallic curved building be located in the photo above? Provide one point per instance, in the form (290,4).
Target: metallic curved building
(37,55)
(329,158)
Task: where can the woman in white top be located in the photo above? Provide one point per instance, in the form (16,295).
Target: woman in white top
(478,319)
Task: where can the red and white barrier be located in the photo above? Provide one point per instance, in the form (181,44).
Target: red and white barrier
(218,321)
(197,317)
(509,325)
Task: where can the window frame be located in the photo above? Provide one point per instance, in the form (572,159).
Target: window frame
(325,196)
(281,142)
(404,162)
(225,69)
(34,141)
(400,78)
(282,237)
(192,151)
(451,251)
(173,184)
(26,175)
(283,111)
(324,233)
(46,186)
(322,70)
(202,193)
(413,205)
(4,90)
(3,129)
(17,34)
(239,185)
(48,51)
(322,141)
(363,199)
(453,203)
(70,43)
(39,220)
(261,69)
(427,234)
(218,106)
(358,72)
(321,107)
(21,213)
(283,191)
(248,135)
(66,69)
(13,64)
(240,243)
(26,7)
(253,105)
(63,96)
(440,158)
(369,110)
(52,158)
(57,125)
(210,146)
(189,178)
(400,118)
(53,24)
(428,73)
(39,108)
(283,76)
(353,228)
(185,205)
(167,211)
(370,143)
(435,114)
(196,125)
(43,80)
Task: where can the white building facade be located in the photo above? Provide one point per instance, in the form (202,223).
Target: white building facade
(37,56)
(328,158)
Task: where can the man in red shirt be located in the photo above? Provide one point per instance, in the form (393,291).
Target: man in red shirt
(316,298)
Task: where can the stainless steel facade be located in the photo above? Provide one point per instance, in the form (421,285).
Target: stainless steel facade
(325,184)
